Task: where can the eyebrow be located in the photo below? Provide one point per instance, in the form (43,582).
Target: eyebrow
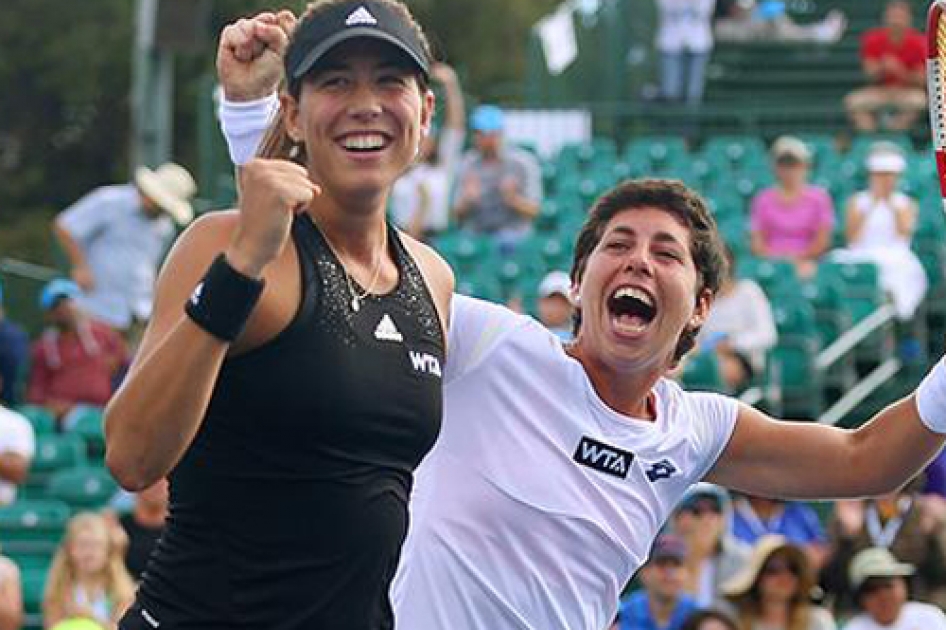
(662,237)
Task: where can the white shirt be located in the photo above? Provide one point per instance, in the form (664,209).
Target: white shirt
(914,616)
(685,25)
(508,530)
(435,179)
(16,436)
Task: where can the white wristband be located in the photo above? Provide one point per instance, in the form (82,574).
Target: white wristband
(243,124)
(931,399)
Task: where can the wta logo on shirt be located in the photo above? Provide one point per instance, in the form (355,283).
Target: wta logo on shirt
(604,457)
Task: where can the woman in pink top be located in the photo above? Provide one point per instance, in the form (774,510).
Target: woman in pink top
(792,219)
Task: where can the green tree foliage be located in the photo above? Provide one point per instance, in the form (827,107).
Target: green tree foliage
(65,77)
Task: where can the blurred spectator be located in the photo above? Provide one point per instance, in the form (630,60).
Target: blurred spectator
(893,58)
(17,446)
(115,238)
(880,586)
(420,199)
(767,20)
(754,517)
(793,219)
(901,522)
(709,620)
(76,359)
(773,592)
(684,41)
(661,604)
(555,304)
(87,578)
(11,595)
(14,350)
(879,224)
(142,526)
(740,329)
(714,554)
(499,187)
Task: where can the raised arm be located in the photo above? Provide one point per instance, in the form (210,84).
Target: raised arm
(806,460)
(153,417)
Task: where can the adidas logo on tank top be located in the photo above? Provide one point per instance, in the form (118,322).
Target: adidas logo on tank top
(387,331)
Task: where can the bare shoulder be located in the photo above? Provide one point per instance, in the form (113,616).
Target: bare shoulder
(436,271)
(186,263)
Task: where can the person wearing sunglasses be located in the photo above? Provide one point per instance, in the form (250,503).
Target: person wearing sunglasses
(773,591)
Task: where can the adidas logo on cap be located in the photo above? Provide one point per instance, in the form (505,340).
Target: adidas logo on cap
(361,15)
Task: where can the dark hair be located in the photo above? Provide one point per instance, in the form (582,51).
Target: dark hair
(276,142)
(694,621)
(673,197)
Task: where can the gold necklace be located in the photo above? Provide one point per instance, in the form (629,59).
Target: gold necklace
(355,298)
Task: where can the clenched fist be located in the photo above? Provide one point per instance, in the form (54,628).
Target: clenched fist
(250,55)
(271,193)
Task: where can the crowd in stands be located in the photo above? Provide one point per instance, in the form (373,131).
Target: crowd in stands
(726,561)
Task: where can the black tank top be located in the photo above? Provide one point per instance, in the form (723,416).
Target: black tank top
(289,509)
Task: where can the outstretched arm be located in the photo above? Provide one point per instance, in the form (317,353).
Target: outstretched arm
(805,460)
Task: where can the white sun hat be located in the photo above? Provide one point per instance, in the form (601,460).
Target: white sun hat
(170,186)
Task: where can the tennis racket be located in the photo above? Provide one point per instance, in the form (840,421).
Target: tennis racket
(936,84)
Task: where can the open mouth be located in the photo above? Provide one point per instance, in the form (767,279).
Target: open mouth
(632,309)
(367,142)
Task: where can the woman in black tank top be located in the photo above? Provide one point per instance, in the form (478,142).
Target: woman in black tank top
(292,397)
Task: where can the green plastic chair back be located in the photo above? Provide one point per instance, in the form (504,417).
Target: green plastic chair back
(83,487)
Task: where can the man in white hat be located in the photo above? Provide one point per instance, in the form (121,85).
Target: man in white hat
(116,236)
(880,586)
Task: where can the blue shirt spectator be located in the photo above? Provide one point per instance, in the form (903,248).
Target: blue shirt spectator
(635,613)
(14,350)
(499,187)
(116,236)
(797,522)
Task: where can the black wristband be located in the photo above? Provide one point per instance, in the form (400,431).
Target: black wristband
(222,302)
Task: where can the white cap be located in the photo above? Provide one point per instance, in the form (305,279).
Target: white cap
(885,157)
(555,282)
(792,148)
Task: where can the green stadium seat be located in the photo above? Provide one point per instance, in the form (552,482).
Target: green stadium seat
(43,421)
(653,152)
(89,424)
(738,151)
(463,250)
(34,584)
(701,373)
(54,452)
(82,488)
(792,371)
(861,143)
(33,526)
(777,277)
(795,319)
(479,285)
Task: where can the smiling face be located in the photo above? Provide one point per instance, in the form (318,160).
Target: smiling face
(640,289)
(360,114)
(648,262)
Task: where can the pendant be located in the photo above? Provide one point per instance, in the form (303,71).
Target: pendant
(355,303)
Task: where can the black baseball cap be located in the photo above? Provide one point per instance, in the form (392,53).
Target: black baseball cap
(325,28)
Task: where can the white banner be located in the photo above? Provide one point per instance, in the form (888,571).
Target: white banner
(557,33)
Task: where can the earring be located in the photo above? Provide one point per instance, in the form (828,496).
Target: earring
(294,151)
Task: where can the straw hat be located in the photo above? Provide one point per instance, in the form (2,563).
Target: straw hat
(170,187)
(876,562)
(765,547)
